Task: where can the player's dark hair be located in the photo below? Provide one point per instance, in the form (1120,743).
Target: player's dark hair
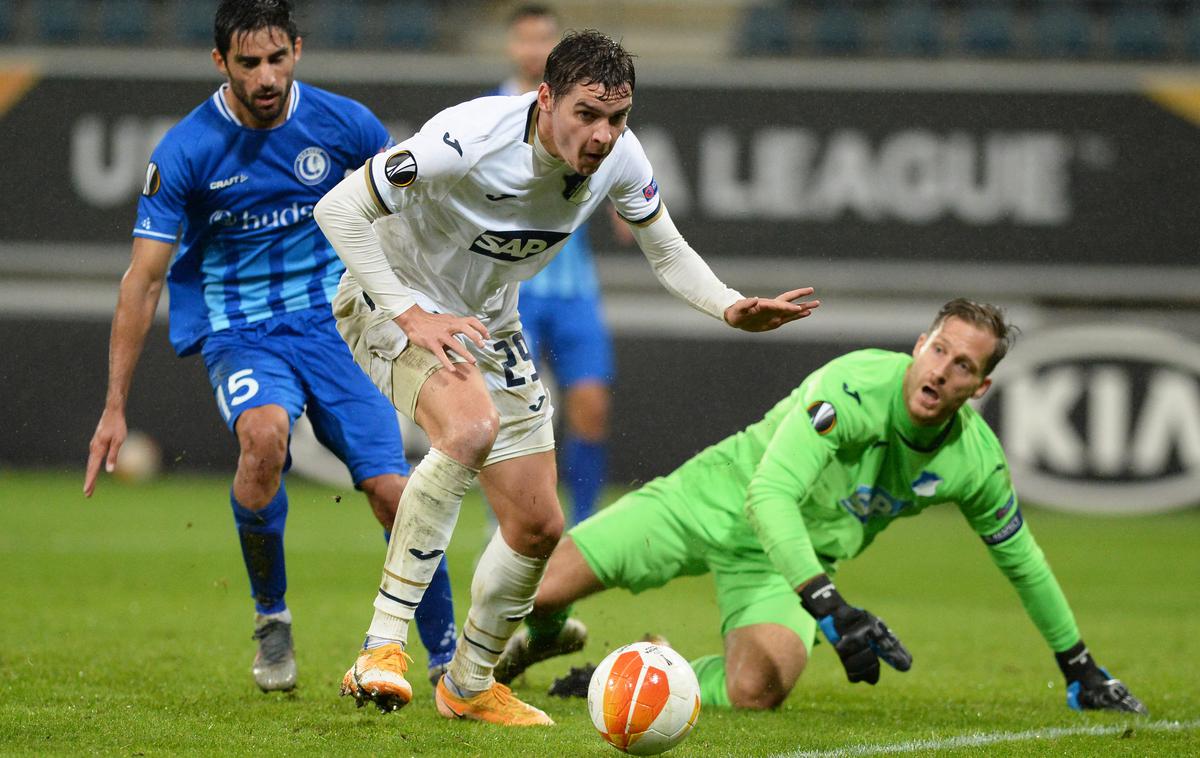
(242,16)
(984,316)
(532,10)
(589,57)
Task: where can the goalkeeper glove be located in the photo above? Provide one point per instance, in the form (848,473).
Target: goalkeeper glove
(1090,687)
(860,638)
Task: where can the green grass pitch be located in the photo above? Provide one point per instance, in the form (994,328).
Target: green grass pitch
(125,630)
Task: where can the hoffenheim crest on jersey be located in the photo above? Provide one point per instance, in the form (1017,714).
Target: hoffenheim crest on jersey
(312,165)
(926,484)
(576,189)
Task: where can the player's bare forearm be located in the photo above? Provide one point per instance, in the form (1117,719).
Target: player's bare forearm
(761,314)
(131,321)
(136,304)
(141,287)
(438,333)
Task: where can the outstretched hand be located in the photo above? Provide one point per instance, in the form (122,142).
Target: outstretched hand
(106,443)
(438,333)
(762,314)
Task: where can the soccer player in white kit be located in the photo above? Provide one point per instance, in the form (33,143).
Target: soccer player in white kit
(436,235)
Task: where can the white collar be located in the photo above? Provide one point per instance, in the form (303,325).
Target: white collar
(227,112)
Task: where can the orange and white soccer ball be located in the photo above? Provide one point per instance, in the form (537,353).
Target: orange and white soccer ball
(644,698)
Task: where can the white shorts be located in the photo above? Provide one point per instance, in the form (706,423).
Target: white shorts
(399,370)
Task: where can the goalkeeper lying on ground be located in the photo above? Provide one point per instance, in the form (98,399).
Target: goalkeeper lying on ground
(870,437)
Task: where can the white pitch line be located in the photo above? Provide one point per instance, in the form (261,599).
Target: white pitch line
(991,738)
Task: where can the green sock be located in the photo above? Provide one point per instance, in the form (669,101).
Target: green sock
(546,628)
(710,671)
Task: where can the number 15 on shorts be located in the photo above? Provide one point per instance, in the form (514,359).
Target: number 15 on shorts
(242,386)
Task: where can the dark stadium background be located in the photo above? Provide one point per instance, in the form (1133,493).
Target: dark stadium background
(893,154)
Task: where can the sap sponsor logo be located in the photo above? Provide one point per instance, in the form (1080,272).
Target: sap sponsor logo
(867,501)
(1100,418)
(515,245)
(915,176)
(229,182)
(109,154)
(312,165)
(275,218)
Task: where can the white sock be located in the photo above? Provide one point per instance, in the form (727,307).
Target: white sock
(502,594)
(424,522)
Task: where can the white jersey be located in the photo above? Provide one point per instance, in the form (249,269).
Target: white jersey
(476,204)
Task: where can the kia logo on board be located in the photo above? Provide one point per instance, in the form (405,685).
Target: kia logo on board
(1101,419)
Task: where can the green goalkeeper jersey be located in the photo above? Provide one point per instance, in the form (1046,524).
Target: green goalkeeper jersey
(838,460)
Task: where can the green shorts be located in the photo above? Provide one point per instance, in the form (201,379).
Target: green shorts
(683,525)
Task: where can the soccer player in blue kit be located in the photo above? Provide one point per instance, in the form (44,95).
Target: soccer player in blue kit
(251,284)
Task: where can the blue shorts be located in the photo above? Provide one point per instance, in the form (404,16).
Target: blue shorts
(569,333)
(299,361)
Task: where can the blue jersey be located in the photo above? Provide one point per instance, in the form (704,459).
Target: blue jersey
(571,274)
(249,248)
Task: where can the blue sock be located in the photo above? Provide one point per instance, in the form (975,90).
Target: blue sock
(586,465)
(261,535)
(435,616)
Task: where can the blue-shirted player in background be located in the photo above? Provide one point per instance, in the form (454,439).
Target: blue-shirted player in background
(560,307)
(250,288)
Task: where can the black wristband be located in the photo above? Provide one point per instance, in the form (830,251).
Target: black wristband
(819,597)
(1077,664)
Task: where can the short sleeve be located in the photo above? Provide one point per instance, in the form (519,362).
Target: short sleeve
(161,206)
(635,191)
(373,136)
(421,168)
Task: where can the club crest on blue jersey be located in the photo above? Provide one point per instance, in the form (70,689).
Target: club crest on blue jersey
(400,169)
(153,180)
(650,190)
(823,415)
(926,484)
(312,165)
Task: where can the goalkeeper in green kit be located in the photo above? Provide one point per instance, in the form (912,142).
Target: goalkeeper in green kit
(870,437)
